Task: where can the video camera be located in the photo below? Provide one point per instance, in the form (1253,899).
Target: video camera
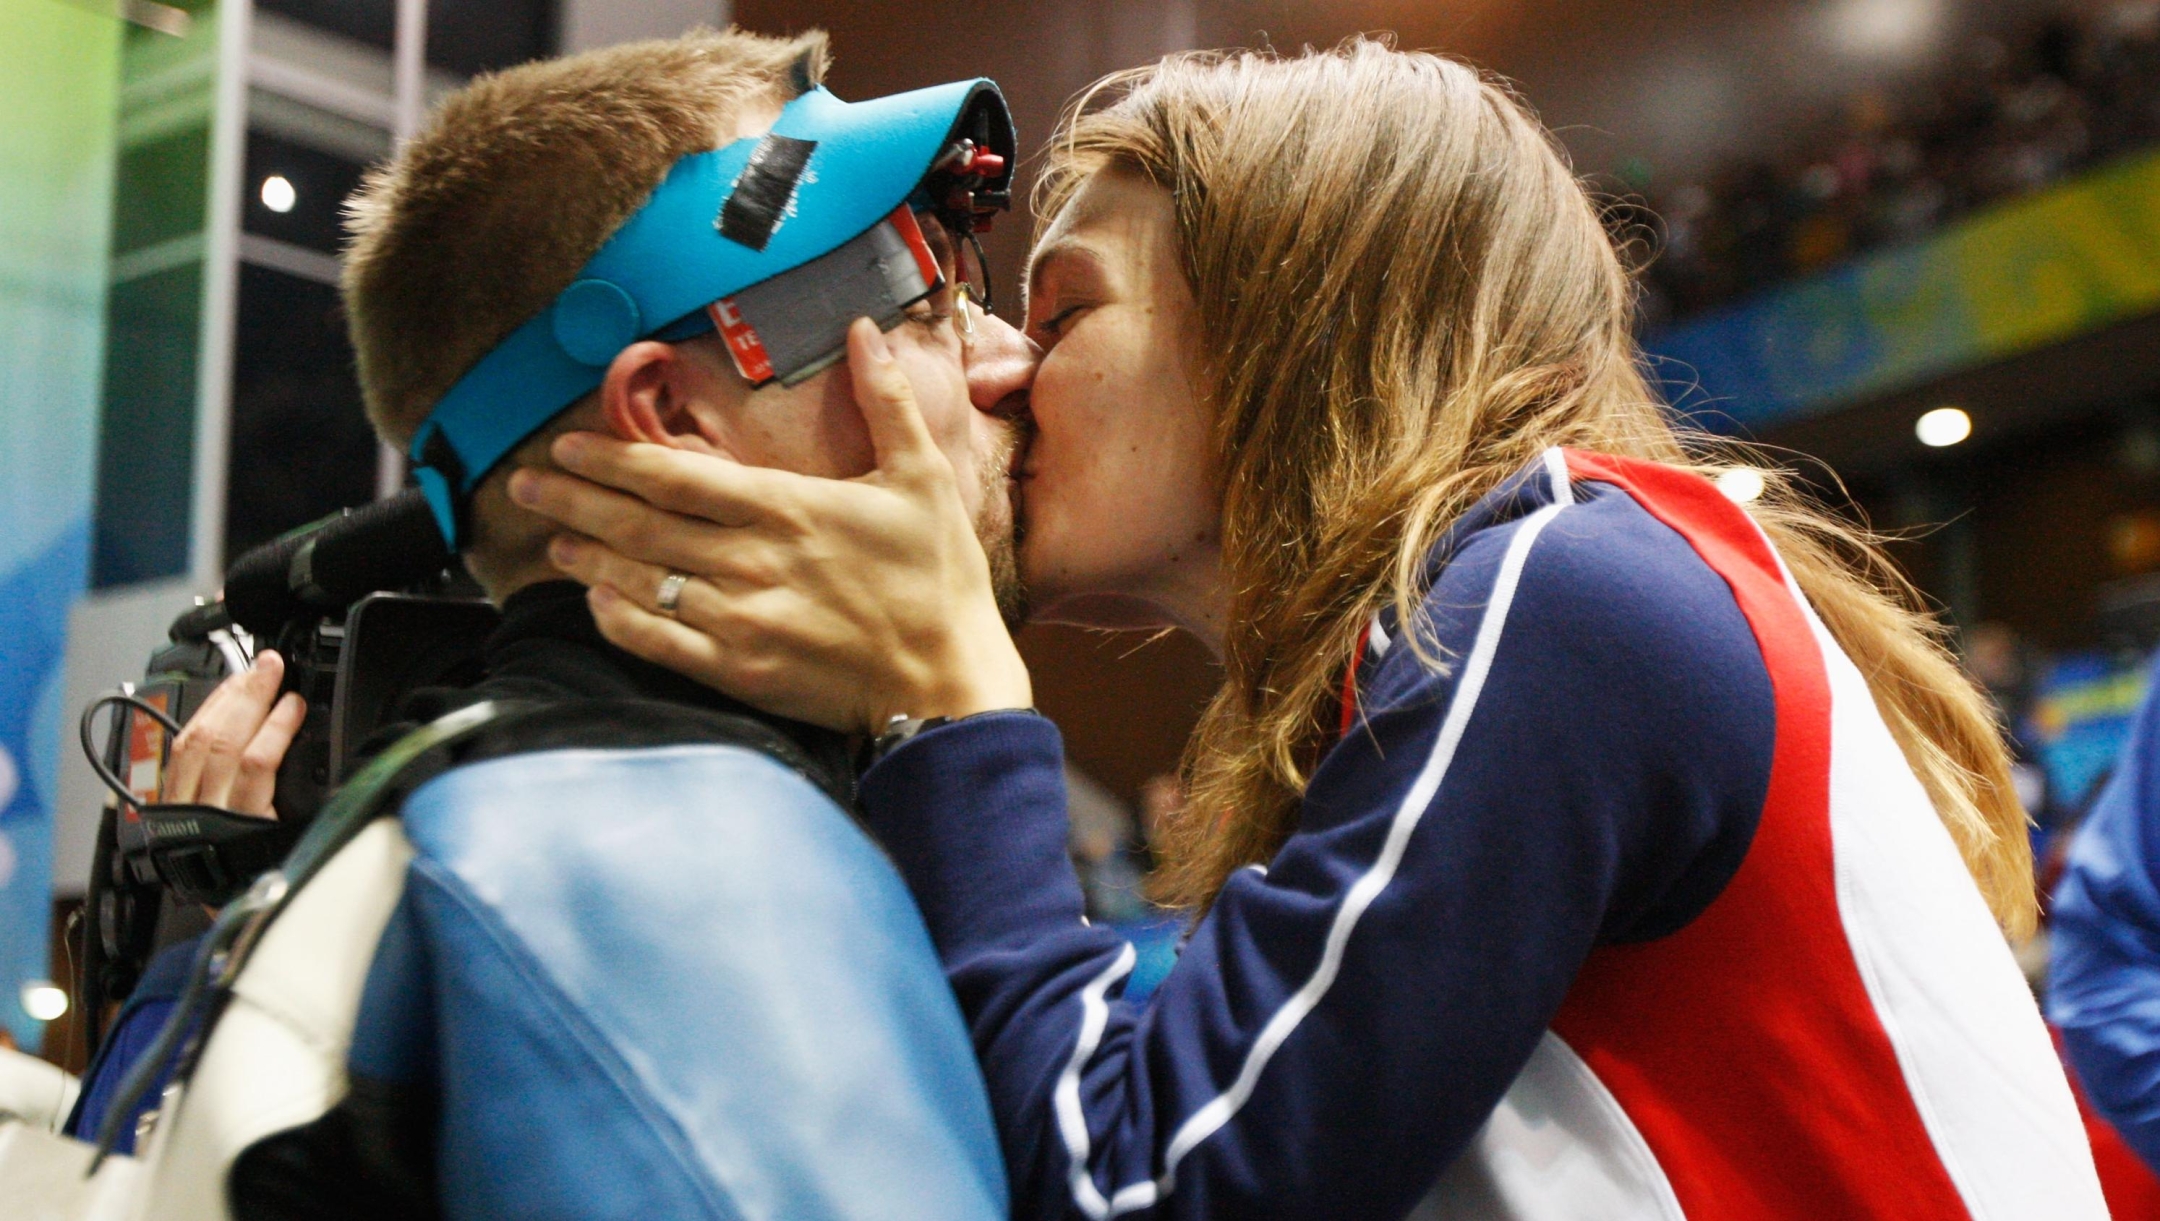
(364,607)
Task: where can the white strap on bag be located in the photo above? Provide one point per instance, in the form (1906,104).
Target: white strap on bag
(45,1177)
(275,1060)
(37,1093)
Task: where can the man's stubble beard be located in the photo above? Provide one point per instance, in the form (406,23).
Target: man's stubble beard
(1001,533)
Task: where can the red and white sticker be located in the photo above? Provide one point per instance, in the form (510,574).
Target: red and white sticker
(903,220)
(742,341)
(146,748)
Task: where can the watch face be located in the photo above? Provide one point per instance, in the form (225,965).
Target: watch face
(902,727)
(899,730)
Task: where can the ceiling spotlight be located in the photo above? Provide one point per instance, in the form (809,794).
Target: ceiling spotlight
(1943,426)
(1740,484)
(278,194)
(43,1001)
(1884,29)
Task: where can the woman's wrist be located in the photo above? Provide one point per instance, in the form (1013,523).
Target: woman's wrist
(973,689)
(966,682)
(997,681)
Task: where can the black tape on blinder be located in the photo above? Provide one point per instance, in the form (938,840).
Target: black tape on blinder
(760,199)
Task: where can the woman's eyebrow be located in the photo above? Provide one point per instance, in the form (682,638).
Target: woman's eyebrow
(1057,250)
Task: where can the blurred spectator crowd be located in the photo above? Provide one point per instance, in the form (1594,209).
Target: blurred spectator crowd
(2011,115)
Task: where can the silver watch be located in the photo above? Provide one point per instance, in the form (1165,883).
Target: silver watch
(903,727)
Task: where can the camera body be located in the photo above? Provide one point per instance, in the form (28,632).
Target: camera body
(159,867)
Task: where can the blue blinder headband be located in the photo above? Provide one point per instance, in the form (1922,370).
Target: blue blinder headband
(723,221)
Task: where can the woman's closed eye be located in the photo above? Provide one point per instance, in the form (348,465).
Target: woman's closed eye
(1055,323)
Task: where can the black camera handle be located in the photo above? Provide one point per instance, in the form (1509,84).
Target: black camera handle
(201,853)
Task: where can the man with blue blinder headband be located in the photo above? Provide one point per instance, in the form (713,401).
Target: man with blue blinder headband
(621,951)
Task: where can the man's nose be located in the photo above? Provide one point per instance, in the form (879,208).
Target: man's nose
(1000,366)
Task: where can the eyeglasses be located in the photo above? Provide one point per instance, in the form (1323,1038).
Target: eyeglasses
(966,271)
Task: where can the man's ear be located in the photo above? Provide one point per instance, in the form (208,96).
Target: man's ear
(645,394)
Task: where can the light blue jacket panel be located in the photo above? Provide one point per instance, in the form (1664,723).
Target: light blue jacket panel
(672,982)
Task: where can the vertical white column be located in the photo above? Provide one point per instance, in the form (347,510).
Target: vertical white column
(408,87)
(601,23)
(408,68)
(221,294)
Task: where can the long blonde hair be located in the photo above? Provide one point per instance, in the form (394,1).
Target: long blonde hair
(1403,297)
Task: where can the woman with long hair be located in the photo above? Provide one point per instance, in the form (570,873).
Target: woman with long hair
(1566,840)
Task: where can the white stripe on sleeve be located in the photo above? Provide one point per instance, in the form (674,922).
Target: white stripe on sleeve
(1211,1117)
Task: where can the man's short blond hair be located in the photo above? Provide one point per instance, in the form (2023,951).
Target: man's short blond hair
(520,177)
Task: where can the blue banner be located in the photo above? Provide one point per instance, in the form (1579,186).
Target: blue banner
(2013,278)
(2080,719)
(59,71)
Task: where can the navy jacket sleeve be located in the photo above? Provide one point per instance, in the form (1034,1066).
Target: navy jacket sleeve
(133,1033)
(1589,764)
(2104,965)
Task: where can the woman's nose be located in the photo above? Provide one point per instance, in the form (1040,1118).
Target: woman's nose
(1000,365)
